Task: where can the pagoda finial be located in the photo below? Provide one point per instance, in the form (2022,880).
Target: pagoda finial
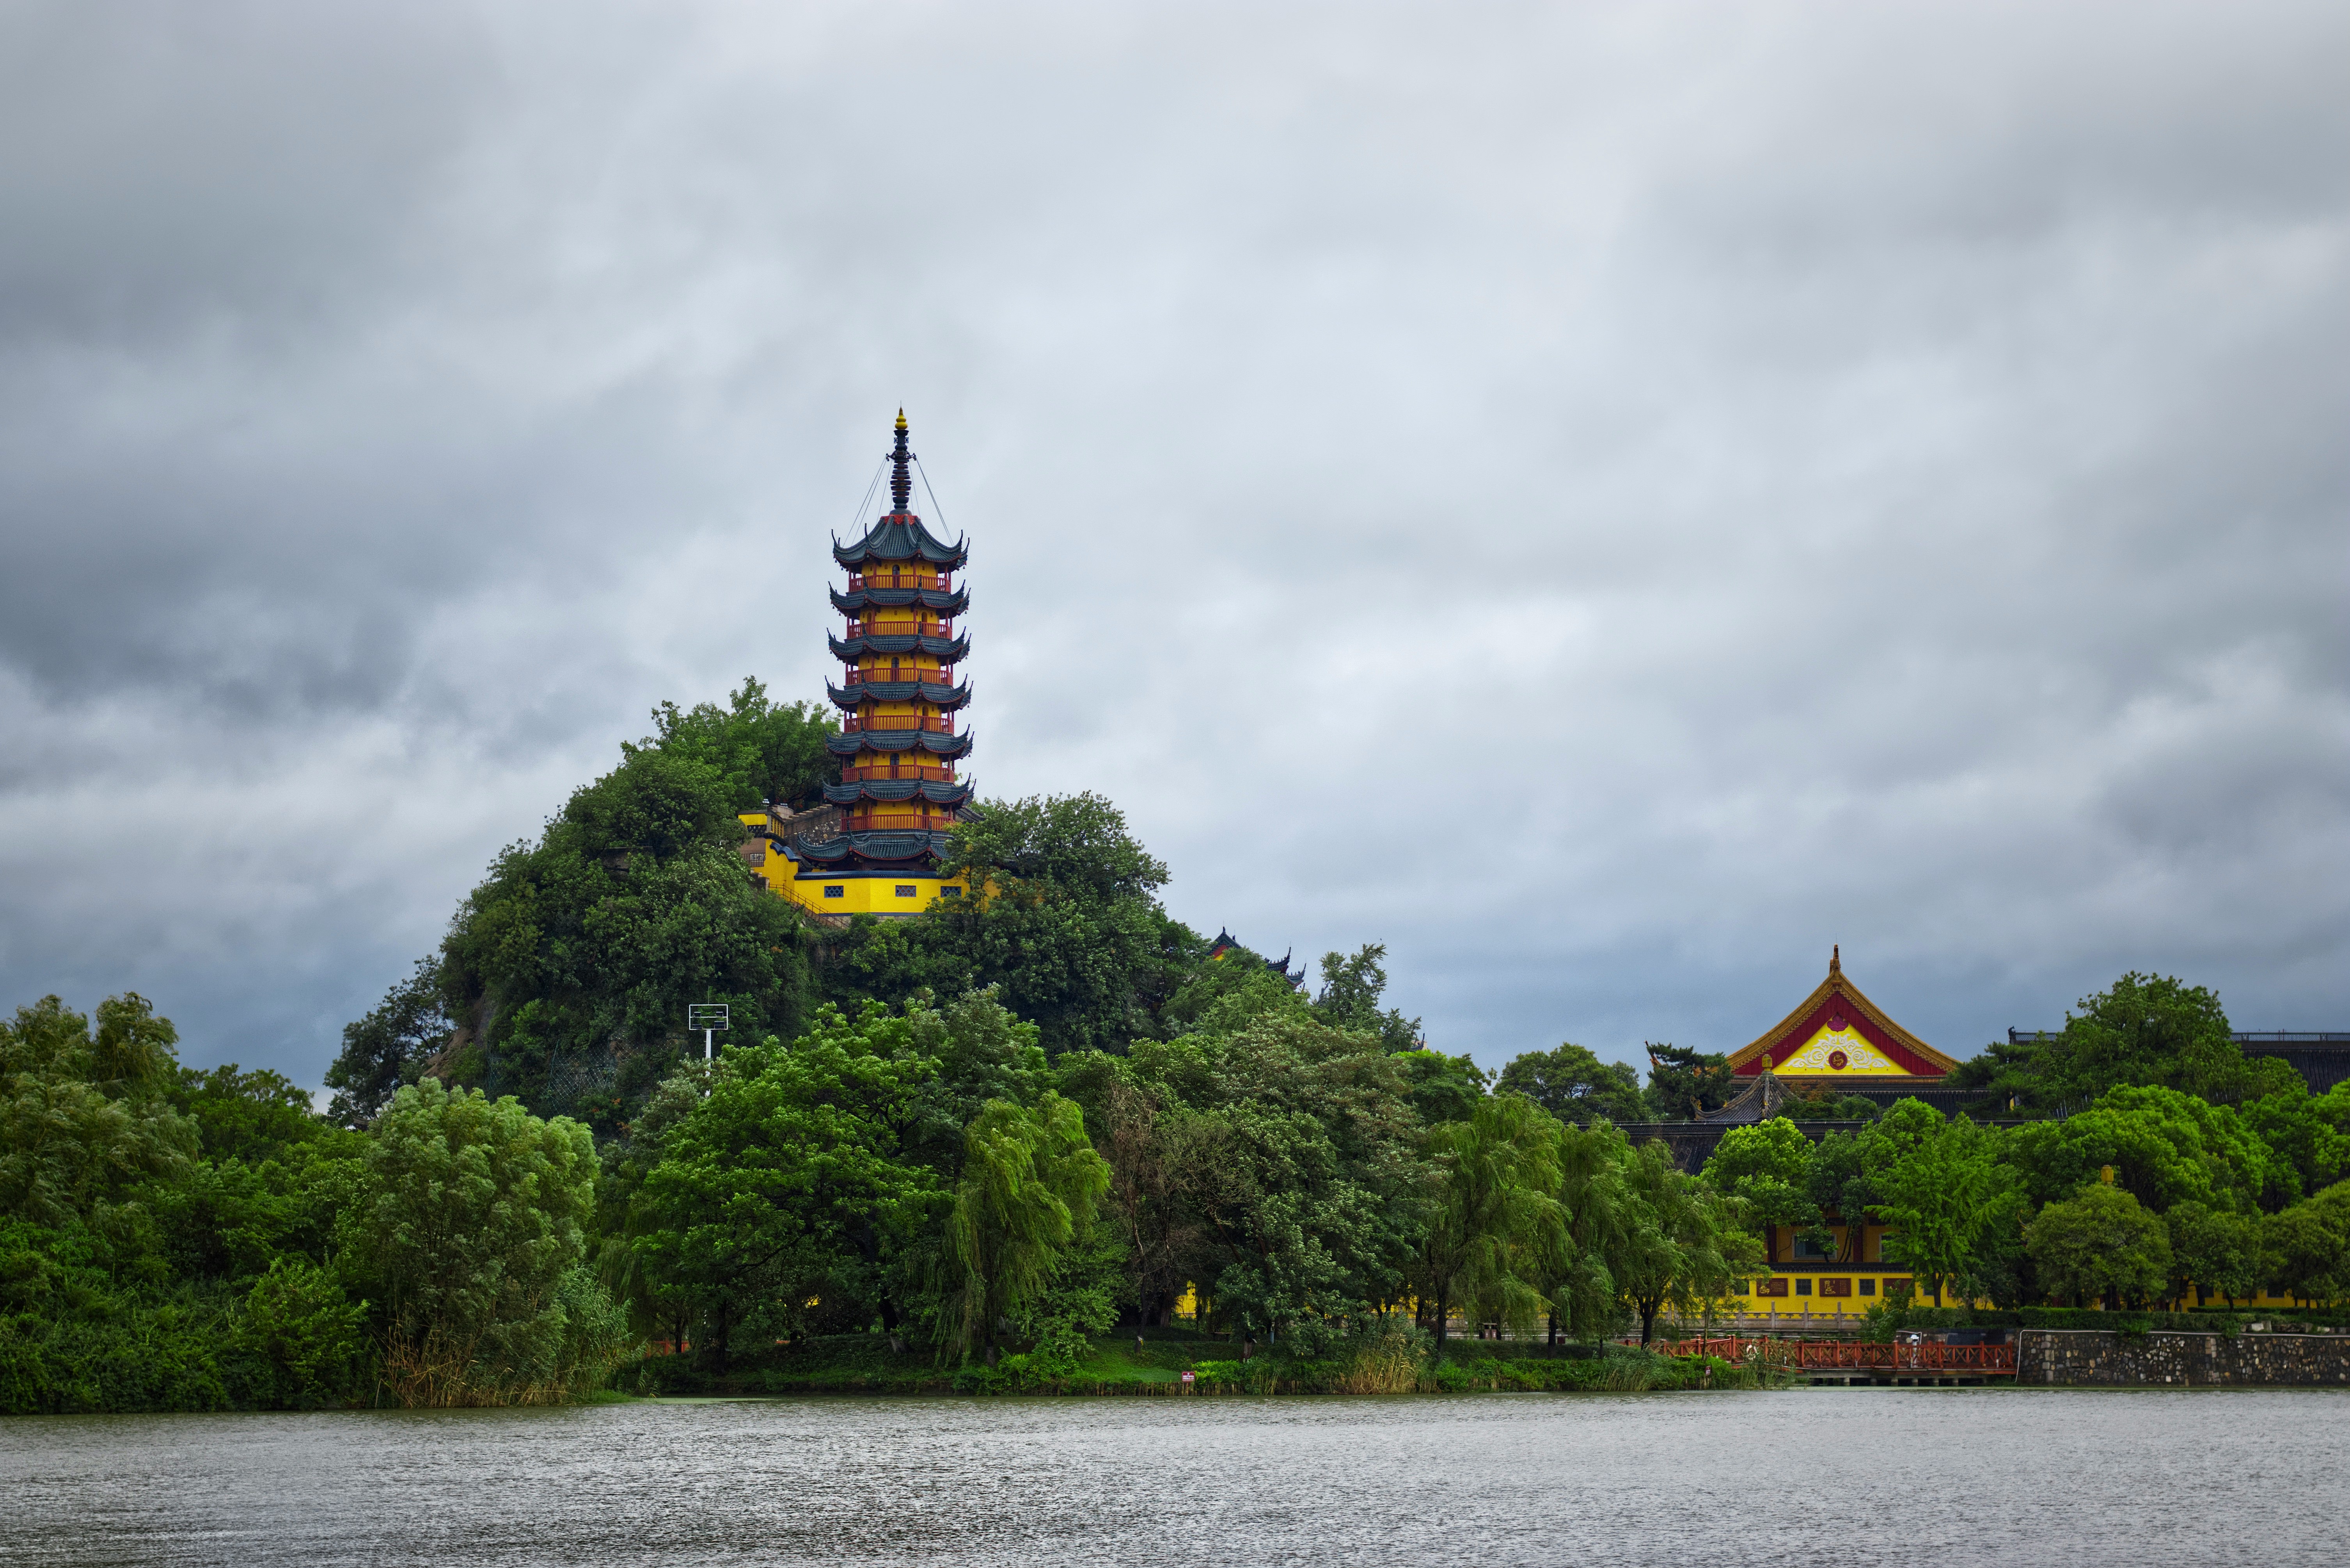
(1835,957)
(901,482)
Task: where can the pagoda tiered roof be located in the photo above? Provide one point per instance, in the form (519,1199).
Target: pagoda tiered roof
(946,649)
(888,847)
(899,741)
(943,697)
(900,536)
(930,790)
(856,601)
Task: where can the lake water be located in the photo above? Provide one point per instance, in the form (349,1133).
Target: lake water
(1804,1476)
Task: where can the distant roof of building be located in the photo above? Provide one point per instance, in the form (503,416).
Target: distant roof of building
(1225,943)
(1837,1002)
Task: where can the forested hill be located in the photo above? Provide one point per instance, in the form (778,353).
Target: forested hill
(564,976)
(983,1135)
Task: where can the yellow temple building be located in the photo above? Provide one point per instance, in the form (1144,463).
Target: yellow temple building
(875,847)
(1835,1042)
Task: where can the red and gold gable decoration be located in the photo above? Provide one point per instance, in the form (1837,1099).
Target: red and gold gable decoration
(1837,1033)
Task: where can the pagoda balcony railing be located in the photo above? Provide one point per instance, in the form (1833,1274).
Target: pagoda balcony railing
(903,770)
(891,677)
(937,582)
(901,822)
(892,629)
(852,723)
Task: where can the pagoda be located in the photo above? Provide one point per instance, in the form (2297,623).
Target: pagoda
(897,798)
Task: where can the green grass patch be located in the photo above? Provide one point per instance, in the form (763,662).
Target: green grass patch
(865,1364)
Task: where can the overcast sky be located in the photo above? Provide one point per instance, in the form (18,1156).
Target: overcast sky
(1607,501)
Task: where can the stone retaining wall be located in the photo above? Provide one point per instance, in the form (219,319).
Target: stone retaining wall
(2096,1357)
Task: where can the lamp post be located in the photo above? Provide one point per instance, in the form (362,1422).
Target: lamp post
(708,1017)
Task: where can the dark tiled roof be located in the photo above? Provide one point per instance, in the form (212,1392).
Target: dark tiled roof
(856,601)
(899,741)
(949,651)
(948,697)
(900,536)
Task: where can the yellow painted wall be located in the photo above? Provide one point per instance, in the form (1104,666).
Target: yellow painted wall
(867,895)
(858,895)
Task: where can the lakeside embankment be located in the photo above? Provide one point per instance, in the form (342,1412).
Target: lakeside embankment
(865,1364)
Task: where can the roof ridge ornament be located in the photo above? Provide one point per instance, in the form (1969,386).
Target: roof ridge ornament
(901,482)
(1835,957)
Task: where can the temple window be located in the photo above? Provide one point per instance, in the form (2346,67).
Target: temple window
(1803,1287)
(1868,1287)
(906,890)
(834,892)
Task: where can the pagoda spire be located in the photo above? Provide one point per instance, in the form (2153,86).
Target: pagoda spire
(901,482)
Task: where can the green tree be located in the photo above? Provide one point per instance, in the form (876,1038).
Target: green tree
(2306,1248)
(1066,925)
(84,1120)
(1945,1197)
(1495,1229)
(2163,1146)
(471,1230)
(1575,1085)
(2102,1245)
(764,751)
(1681,1247)
(1585,1300)
(253,1117)
(780,1171)
(2217,1251)
(308,1335)
(584,950)
(1684,1083)
(1306,1183)
(2309,1135)
(388,1046)
(1030,1179)
(1847,1168)
(1352,986)
(1767,1168)
(2142,1030)
(1157,1150)
(1441,1088)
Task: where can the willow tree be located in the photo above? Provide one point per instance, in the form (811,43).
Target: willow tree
(1030,1179)
(1597,1209)
(1495,1229)
(1681,1247)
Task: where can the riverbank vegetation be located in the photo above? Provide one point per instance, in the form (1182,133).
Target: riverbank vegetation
(2137,1192)
(984,1147)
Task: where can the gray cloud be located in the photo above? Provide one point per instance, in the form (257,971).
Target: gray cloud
(1609,501)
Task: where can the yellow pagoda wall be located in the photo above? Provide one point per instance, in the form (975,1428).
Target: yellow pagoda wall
(857,895)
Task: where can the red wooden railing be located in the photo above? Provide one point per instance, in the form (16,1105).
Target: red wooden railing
(942,583)
(934,676)
(854,722)
(903,770)
(1995,1360)
(892,628)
